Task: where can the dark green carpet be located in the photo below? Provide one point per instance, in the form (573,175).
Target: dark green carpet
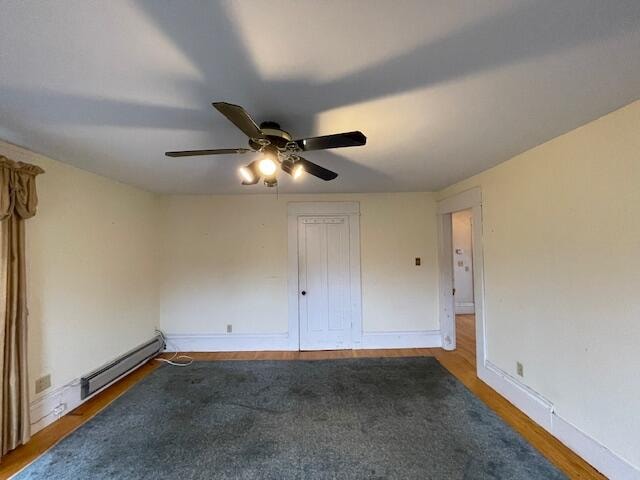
(405,418)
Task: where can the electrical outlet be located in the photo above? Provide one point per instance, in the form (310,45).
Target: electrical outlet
(418,261)
(519,369)
(59,409)
(229,328)
(43,383)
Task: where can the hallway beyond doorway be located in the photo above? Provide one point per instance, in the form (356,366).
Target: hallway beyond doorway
(466,337)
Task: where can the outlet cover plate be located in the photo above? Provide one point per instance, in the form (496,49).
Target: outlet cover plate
(43,383)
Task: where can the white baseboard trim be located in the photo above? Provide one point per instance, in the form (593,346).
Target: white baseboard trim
(239,342)
(541,411)
(416,339)
(535,406)
(228,342)
(599,456)
(56,403)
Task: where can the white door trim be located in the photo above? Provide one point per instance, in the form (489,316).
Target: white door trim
(469,199)
(300,209)
(447,315)
(462,201)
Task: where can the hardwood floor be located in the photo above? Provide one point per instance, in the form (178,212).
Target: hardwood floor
(466,338)
(461,363)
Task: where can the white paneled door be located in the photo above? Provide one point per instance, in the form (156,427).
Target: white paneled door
(324,283)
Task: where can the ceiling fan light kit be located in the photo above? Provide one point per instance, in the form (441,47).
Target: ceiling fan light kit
(267,167)
(247,174)
(277,147)
(293,168)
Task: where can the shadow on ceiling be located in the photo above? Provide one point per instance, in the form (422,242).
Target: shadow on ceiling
(207,36)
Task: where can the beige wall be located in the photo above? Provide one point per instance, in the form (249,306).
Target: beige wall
(224,261)
(562,277)
(92,282)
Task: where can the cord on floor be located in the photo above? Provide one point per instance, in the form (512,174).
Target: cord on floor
(176,359)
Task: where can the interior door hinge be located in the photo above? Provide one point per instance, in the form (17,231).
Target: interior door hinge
(453,292)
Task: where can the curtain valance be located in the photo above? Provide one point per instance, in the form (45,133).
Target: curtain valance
(18,188)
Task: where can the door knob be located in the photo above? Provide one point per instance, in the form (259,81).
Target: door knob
(303,292)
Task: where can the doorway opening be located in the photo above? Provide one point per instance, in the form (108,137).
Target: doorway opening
(463,294)
(464,322)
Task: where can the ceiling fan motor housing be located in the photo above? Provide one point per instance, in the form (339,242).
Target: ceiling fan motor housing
(274,134)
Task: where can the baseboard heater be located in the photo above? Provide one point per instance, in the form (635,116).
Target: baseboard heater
(105,375)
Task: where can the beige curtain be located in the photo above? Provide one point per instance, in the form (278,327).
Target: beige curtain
(18,201)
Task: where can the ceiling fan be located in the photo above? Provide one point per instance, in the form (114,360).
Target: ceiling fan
(278,148)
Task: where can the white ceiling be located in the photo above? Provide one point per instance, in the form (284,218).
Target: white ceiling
(442,89)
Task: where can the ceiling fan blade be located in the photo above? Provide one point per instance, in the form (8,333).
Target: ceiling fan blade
(338,140)
(239,117)
(316,170)
(220,151)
